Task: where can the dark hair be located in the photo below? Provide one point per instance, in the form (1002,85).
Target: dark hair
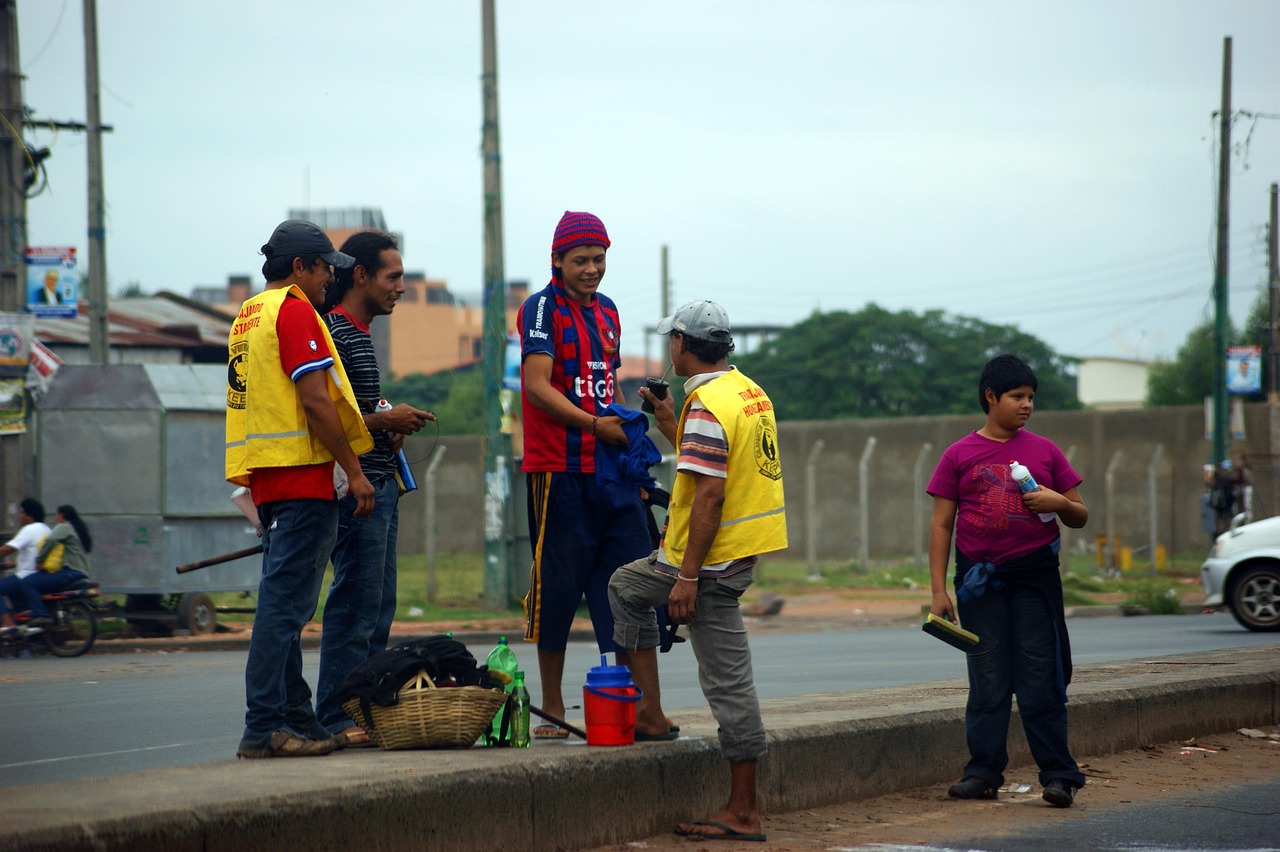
(367,248)
(706,351)
(280,266)
(32,508)
(71,516)
(1001,374)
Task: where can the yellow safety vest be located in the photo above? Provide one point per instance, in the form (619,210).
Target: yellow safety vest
(269,428)
(754,517)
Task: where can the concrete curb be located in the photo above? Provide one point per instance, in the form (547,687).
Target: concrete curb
(823,749)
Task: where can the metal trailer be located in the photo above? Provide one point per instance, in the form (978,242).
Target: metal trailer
(138,450)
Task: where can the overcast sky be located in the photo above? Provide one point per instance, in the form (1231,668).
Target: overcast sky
(1046,165)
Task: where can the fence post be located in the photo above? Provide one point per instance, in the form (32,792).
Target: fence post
(1111,500)
(919,502)
(1065,560)
(864,490)
(811,507)
(1151,499)
(429,521)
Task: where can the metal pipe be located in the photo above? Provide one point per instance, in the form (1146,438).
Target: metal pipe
(811,508)
(429,520)
(864,500)
(1111,499)
(1151,499)
(921,508)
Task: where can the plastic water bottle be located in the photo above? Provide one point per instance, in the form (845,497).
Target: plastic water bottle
(1027,484)
(520,716)
(502,659)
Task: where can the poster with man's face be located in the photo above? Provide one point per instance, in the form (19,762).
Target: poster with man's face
(1244,369)
(52,281)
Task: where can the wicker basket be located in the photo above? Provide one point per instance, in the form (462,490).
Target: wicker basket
(430,717)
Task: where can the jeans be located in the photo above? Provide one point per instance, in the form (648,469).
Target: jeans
(44,583)
(719,640)
(13,595)
(362,600)
(1017,654)
(297,539)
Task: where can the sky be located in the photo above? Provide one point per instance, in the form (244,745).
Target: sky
(1047,165)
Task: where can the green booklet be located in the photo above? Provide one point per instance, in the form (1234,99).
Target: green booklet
(950,633)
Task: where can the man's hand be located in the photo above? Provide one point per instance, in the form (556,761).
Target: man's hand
(664,413)
(681,603)
(609,430)
(402,419)
(361,488)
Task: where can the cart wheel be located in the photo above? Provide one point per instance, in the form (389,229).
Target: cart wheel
(196,613)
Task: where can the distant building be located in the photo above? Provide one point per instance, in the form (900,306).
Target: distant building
(1112,383)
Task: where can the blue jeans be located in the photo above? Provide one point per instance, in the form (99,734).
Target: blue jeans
(362,600)
(12,594)
(1018,653)
(296,542)
(44,583)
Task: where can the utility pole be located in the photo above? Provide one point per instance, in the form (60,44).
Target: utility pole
(497,480)
(1273,353)
(1273,290)
(13,151)
(98,343)
(1220,433)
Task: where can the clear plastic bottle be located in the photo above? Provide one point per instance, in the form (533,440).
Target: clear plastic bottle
(501,659)
(1027,483)
(520,714)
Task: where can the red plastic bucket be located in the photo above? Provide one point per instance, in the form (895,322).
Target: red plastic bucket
(609,701)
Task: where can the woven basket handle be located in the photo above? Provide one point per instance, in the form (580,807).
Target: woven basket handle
(419,679)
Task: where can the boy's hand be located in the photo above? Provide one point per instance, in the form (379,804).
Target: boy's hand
(942,607)
(1044,500)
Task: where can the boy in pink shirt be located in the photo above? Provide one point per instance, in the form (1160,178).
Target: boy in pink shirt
(1007,583)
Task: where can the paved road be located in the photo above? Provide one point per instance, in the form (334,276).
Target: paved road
(106,714)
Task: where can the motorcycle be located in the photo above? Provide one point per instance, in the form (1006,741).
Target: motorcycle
(71,629)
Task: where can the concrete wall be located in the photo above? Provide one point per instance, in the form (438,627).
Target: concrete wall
(895,510)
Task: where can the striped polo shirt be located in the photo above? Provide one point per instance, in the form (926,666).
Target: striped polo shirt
(355,347)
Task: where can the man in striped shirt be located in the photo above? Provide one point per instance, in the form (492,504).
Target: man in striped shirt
(726,508)
(362,599)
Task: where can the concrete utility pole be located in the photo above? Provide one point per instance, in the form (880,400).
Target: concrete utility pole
(98,343)
(1220,325)
(497,480)
(13,152)
(1273,352)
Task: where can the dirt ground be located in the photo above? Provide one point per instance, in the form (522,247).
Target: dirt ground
(926,816)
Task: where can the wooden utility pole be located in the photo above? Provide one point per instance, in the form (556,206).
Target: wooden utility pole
(98,342)
(497,478)
(1221,323)
(13,153)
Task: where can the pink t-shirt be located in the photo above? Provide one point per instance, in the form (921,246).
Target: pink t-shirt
(992,524)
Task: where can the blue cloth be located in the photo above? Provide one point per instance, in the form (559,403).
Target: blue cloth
(297,540)
(362,600)
(629,465)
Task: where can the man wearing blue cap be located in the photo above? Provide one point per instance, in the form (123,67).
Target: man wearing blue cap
(290,415)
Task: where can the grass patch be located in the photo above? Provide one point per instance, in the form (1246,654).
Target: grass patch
(1159,598)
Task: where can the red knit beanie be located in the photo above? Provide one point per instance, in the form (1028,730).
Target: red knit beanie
(579,229)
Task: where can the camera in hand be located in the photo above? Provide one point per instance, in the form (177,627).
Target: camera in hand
(658,388)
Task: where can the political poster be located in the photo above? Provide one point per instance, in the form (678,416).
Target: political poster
(53,283)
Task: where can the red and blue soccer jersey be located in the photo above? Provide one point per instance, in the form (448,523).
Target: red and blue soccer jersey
(582,341)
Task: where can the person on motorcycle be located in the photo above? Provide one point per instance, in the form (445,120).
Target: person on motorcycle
(72,535)
(24,544)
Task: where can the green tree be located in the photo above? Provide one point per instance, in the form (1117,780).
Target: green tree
(879,363)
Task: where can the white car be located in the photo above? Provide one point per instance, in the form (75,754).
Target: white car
(1243,573)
